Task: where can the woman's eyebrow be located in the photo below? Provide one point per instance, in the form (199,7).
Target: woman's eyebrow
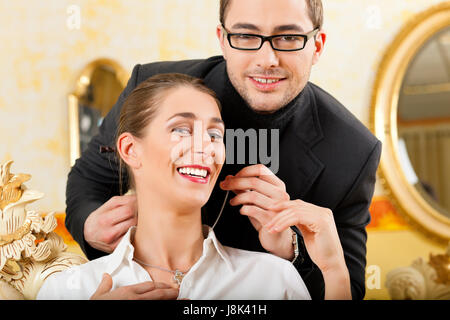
(190,115)
(218,120)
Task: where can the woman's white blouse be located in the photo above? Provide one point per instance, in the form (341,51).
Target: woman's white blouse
(221,273)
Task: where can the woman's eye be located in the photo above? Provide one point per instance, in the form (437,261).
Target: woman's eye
(215,136)
(182,130)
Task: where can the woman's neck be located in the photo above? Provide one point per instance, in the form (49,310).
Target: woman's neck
(167,237)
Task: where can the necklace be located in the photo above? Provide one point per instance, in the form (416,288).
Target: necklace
(177,274)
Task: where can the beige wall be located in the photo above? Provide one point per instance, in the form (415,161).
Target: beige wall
(40,58)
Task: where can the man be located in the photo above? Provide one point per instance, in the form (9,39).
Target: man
(327,159)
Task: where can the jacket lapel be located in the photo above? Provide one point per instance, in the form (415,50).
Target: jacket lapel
(299,167)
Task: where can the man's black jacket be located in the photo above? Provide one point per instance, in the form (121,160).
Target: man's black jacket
(326,157)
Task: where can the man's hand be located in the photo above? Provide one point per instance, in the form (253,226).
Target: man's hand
(265,201)
(317,227)
(105,227)
(142,291)
(321,240)
(257,188)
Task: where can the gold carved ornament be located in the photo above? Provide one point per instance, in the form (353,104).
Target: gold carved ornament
(10,192)
(441,264)
(29,249)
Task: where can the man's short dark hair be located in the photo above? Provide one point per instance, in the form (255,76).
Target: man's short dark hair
(314,6)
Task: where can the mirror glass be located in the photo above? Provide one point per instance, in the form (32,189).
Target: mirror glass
(99,97)
(98,88)
(423,121)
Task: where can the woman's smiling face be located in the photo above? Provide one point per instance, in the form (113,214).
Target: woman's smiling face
(181,152)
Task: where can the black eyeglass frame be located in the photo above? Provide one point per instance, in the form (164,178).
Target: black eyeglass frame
(306,37)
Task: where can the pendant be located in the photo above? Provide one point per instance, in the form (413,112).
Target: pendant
(178,276)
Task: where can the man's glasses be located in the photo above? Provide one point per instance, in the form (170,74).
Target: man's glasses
(282,42)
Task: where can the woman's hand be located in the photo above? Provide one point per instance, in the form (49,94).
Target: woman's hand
(142,291)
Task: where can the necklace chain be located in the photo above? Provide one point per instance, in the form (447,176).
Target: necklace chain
(177,274)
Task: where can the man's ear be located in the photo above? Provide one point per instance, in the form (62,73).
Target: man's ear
(320,39)
(221,37)
(127,147)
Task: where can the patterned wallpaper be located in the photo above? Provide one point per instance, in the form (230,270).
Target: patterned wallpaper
(44,47)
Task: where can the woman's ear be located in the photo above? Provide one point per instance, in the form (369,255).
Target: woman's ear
(127,147)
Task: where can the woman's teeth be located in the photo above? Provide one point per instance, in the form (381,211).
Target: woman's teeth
(193,172)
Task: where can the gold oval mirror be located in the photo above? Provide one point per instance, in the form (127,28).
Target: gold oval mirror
(411,116)
(97,90)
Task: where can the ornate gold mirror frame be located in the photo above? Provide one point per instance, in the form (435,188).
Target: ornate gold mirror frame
(383,121)
(83,82)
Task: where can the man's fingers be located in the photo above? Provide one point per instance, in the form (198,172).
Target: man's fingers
(112,236)
(256,224)
(252,198)
(254,183)
(283,220)
(121,228)
(122,213)
(229,189)
(284,204)
(116,242)
(260,215)
(294,216)
(260,170)
(118,201)
(276,219)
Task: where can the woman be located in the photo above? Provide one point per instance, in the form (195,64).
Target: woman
(170,138)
